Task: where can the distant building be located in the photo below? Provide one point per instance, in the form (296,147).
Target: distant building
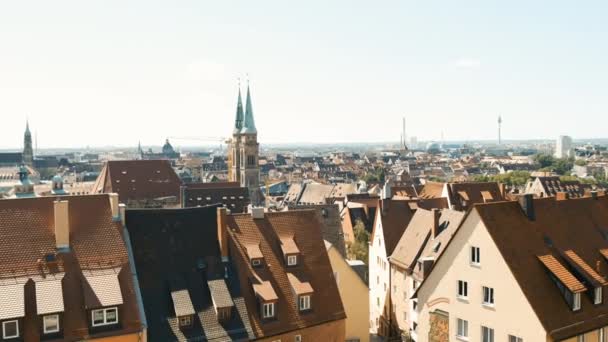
(28,151)
(563,147)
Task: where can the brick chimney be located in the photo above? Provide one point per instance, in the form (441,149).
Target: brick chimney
(562,196)
(114,206)
(526,202)
(62,224)
(436,215)
(222,232)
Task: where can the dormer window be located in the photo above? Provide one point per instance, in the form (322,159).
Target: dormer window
(50,324)
(597,295)
(576,302)
(10,329)
(106,316)
(570,287)
(255,255)
(267,310)
(290,251)
(292,260)
(304,302)
(185,321)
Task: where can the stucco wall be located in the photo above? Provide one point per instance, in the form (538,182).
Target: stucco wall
(378,280)
(440,290)
(355,297)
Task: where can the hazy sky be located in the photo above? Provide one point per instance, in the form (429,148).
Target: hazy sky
(114,72)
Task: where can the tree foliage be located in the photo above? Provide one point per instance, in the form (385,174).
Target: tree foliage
(547,162)
(359,249)
(378,176)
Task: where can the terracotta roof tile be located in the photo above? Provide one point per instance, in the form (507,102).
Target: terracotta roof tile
(584,268)
(48,296)
(299,287)
(101,288)
(182,304)
(219,293)
(13,301)
(561,273)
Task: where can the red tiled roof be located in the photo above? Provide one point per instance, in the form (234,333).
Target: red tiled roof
(313,265)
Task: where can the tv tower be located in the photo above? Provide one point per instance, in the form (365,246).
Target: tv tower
(499,124)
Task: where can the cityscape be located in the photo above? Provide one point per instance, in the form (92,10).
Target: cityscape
(250,222)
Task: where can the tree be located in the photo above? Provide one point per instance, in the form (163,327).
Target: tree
(359,249)
(580,162)
(545,160)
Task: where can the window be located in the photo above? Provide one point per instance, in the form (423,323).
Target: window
(297,338)
(576,302)
(475,258)
(304,303)
(487,334)
(580,338)
(488,296)
(268,310)
(104,316)
(50,324)
(405,315)
(256,262)
(378,301)
(292,260)
(597,295)
(414,304)
(251,160)
(515,339)
(185,321)
(462,327)
(10,329)
(463,289)
(414,284)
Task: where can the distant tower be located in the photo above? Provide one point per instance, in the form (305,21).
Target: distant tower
(140,152)
(28,152)
(499,127)
(235,143)
(250,170)
(404,137)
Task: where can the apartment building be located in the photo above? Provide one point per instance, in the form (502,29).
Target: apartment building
(532,270)
(65,272)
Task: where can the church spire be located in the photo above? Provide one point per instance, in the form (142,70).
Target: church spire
(28,151)
(248,124)
(238,123)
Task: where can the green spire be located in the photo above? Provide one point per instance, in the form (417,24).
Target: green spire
(248,124)
(238,123)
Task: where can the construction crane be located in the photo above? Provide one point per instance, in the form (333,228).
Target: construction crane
(221,141)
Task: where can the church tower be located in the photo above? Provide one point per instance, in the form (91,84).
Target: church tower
(235,146)
(28,151)
(244,150)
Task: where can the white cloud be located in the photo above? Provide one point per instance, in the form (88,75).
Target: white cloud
(467,63)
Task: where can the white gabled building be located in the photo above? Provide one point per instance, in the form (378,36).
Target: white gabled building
(529,271)
(390,222)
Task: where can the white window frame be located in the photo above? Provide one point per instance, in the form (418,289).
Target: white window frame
(464,286)
(292,260)
(576,301)
(48,330)
(268,310)
(105,317)
(490,295)
(5,323)
(256,262)
(597,295)
(475,256)
(487,334)
(304,302)
(462,329)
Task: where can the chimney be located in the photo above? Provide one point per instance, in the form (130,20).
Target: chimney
(594,194)
(62,224)
(526,202)
(257,213)
(436,214)
(121,209)
(182,196)
(503,190)
(114,206)
(562,196)
(222,232)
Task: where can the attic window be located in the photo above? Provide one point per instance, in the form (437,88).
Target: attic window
(292,260)
(185,321)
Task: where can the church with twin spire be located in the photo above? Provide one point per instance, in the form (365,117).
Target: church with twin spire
(244,150)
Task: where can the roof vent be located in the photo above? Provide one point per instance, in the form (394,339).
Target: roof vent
(257,212)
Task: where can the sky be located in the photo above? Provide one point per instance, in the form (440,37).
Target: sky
(100,73)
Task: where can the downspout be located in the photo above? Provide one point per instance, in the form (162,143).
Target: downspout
(132,268)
